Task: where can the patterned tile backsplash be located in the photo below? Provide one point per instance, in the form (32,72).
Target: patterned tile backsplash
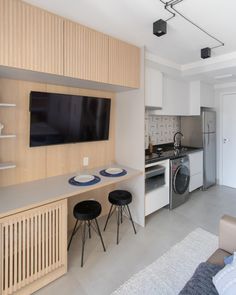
(160,128)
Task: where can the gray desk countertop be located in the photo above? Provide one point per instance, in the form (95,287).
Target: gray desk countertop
(20,197)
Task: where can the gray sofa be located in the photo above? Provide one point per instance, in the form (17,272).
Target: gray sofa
(227,240)
(201,282)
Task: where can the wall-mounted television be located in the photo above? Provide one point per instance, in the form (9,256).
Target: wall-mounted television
(62,118)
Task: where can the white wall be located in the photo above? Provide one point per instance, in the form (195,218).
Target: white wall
(130,143)
(219,93)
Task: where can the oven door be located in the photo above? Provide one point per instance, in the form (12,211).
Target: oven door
(181,180)
(154,178)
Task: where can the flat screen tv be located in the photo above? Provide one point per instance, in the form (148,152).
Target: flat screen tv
(62,118)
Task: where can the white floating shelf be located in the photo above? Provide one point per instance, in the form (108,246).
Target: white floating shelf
(7,166)
(7,104)
(7,135)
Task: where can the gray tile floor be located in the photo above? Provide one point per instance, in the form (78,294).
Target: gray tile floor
(104,272)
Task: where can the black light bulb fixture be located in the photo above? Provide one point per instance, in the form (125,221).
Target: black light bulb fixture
(206,52)
(160,26)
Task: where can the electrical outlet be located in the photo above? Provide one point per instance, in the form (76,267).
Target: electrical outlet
(85,161)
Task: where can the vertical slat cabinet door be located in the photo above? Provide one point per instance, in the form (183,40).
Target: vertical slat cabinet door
(10,33)
(124,64)
(1,259)
(43,42)
(85,53)
(11,255)
(30,38)
(33,248)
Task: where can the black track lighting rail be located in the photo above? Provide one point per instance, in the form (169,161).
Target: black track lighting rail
(169,6)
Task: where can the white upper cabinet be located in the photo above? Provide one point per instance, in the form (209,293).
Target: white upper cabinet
(207,95)
(175,97)
(201,95)
(153,88)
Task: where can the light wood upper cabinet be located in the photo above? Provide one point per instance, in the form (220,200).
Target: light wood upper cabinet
(30,38)
(124,63)
(34,39)
(86,53)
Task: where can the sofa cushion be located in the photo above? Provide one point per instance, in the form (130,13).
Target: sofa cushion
(201,281)
(218,257)
(229,259)
(225,280)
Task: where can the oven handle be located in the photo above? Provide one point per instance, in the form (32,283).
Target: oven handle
(154,172)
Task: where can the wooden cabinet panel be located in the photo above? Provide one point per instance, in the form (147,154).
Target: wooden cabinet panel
(124,63)
(33,251)
(34,39)
(86,53)
(30,38)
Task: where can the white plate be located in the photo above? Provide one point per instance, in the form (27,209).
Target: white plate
(84,178)
(114,171)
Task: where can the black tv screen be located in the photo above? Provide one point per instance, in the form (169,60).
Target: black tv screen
(61,118)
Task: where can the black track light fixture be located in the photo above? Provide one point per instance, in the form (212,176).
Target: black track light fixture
(206,52)
(160,26)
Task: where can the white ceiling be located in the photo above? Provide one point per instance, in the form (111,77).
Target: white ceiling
(131,20)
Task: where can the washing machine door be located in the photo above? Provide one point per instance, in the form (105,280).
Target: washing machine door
(181,179)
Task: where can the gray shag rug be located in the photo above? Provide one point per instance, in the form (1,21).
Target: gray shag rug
(169,273)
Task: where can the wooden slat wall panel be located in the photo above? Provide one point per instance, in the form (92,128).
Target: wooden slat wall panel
(30,38)
(86,53)
(21,261)
(124,63)
(2,253)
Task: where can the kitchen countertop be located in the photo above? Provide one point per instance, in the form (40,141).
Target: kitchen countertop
(170,153)
(20,197)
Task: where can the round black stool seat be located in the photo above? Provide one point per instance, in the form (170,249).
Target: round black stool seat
(87,210)
(120,197)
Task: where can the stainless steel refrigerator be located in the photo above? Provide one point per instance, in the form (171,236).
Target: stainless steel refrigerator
(200,131)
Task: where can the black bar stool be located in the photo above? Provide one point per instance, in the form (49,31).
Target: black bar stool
(86,212)
(120,199)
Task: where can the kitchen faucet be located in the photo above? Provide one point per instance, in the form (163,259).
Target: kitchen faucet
(177,143)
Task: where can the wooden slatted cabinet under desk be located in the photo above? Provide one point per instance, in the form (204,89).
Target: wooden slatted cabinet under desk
(33,248)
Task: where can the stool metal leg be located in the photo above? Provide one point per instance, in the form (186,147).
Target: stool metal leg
(131,219)
(109,215)
(74,230)
(121,214)
(83,243)
(89,227)
(118,224)
(99,233)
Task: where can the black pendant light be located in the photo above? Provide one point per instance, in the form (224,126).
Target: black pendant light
(160,28)
(205,52)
